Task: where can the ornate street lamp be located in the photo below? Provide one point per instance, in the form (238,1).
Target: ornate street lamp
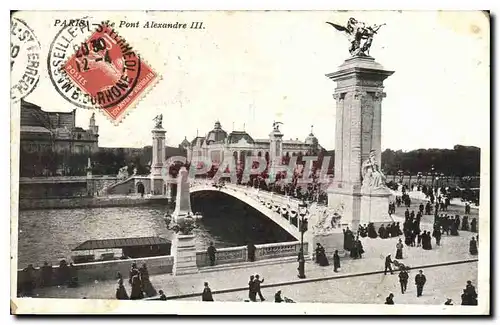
(303,211)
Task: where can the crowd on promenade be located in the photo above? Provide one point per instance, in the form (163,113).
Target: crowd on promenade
(30,278)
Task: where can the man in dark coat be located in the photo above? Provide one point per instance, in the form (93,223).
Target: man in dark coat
(420,282)
(388,266)
(251,252)
(336,261)
(252,294)
(403,280)
(211,253)
(257,283)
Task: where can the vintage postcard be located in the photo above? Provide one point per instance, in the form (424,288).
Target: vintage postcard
(250,162)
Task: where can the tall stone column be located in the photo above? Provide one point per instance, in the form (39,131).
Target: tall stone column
(358,97)
(275,149)
(158,160)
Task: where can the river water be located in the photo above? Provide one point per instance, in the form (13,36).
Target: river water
(49,235)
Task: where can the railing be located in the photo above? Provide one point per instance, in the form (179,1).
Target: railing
(240,254)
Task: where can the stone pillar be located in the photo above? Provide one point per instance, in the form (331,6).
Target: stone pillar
(183,199)
(158,160)
(183,246)
(358,131)
(275,150)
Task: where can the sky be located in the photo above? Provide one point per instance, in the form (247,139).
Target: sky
(251,68)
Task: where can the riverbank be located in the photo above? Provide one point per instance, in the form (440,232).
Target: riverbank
(88,202)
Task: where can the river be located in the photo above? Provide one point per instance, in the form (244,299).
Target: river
(49,235)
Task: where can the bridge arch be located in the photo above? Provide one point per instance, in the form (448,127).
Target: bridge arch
(271,208)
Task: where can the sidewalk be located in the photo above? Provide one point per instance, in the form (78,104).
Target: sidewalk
(452,249)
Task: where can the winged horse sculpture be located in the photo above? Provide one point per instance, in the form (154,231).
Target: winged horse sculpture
(360,36)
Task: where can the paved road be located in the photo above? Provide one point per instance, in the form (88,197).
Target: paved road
(442,282)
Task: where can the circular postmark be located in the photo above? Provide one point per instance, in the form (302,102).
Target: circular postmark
(24,59)
(93,69)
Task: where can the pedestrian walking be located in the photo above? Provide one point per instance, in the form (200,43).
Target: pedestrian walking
(207,293)
(420,282)
(403,280)
(252,294)
(257,283)
(336,261)
(388,265)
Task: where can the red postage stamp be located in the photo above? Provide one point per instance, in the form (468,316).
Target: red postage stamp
(110,73)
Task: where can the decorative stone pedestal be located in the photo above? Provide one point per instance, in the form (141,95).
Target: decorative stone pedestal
(184,252)
(330,242)
(325,228)
(374,208)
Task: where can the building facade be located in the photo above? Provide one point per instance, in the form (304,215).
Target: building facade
(218,145)
(50,141)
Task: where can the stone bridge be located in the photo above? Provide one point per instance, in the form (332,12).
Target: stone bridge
(278,208)
(282,210)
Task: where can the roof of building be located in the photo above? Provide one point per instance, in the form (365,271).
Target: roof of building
(121,243)
(217,135)
(185,143)
(237,136)
(197,141)
(34,129)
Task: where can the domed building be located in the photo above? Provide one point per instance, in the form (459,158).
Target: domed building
(218,144)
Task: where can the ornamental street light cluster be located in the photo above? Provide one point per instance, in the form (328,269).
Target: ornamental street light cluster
(303,211)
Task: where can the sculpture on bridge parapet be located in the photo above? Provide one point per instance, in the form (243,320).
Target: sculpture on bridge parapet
(325,220)
(184,226)
(122,173)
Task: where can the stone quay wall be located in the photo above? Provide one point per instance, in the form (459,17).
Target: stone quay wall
(84,202)
(108,270)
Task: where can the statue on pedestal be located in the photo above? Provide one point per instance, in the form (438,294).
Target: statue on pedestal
(372,176)
(158,120)
(360,36)
(276,126)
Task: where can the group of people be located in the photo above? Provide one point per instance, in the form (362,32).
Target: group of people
(451,225)
(254,288)
(140,285)
(391,230)
(30,277)
(352,244)
(420,281)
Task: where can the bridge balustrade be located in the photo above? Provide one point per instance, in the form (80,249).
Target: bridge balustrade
(240,254)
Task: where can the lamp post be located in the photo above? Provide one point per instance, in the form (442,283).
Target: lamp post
(303,228)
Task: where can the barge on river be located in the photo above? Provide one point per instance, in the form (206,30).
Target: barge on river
(120,248)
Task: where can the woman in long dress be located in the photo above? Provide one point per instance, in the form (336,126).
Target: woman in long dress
(147,286)
(399,250)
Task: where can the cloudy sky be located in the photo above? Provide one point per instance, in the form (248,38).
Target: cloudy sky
(250,68)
